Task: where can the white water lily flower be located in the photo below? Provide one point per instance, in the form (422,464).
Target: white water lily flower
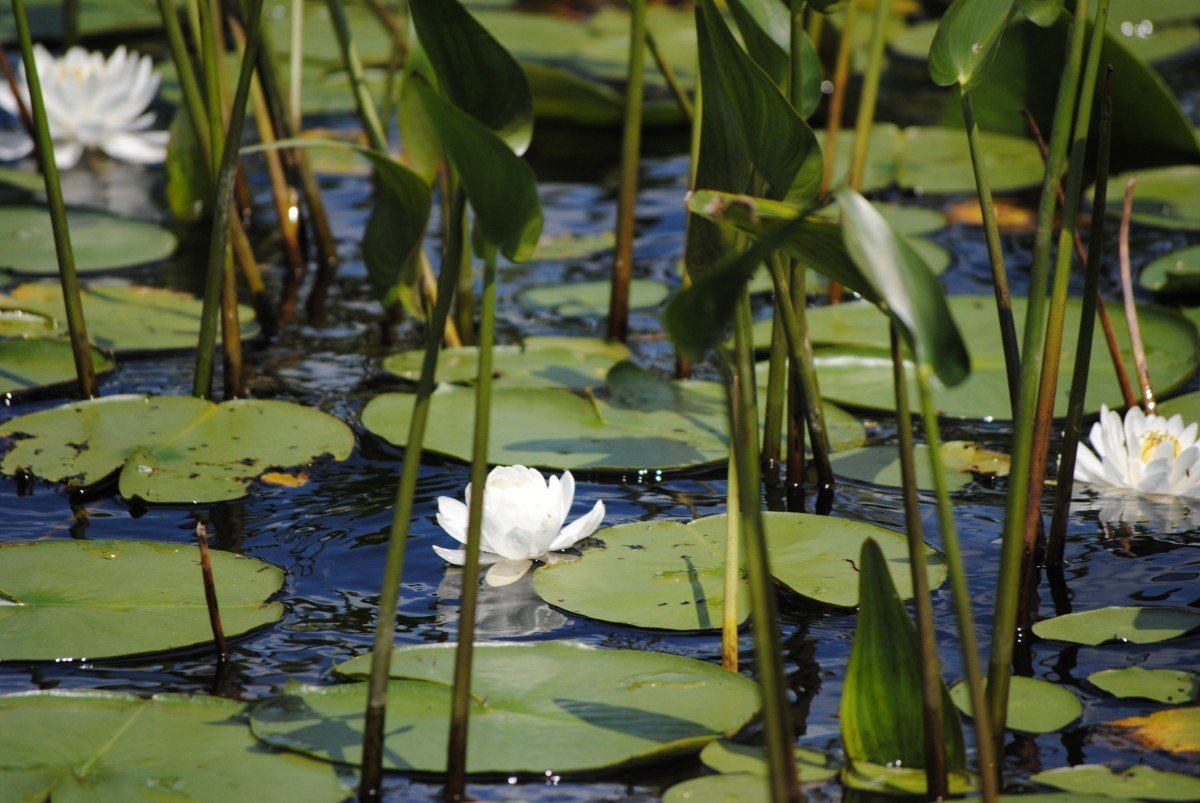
(1149,454)
(523,517)
(90,103)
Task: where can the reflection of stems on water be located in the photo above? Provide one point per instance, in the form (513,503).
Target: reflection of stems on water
(1131,315)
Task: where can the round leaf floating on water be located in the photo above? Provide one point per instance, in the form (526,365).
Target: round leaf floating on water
(938,160)
(100,241)
(1131,624)
(63,600)
(569,247)
(735,788)
(881,464)
(171,449)
(669,575)
(585,709)
(36,363)
(867,777)
(1176,730)
(126,318)
(1139,683)
(93,745)
(1164,197)
(1176,272)
(583,299)
(561,362)
(1034,705)
(730,758)
(1140,783)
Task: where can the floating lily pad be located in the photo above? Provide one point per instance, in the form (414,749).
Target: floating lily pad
(1131,624)
(938,160)
(1139,683)
(670,575)
(25,323)
(1187,405)
(730,758)
(581,299)
(883,154)
(881,464)
(558,362)
(1141,783)
(854,361)
(586,709)
(98,745)
(99,240)
(34,363)
(568,247)
(171,449)
(1034,705)
(867,777)
(1176,730)
(735,788)
(1164,197)
(96,599)
(1176,272)
(126,318)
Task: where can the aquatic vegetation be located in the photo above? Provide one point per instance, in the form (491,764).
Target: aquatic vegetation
(1150,454)
(523,521)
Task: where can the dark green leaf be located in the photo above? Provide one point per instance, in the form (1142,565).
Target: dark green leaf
(1041,12)
(966,41)
(766,30)
(188,187)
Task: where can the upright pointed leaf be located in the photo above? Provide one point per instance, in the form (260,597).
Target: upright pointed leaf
(967,40)
(910,292)
(500,186)
(474,70)
(1041,12)
(881,700)
(766,30)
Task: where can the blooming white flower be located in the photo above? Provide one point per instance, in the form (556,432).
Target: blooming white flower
(90,103)
(1146,453)
(523,517)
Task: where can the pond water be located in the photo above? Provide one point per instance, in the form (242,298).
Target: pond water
(330,535)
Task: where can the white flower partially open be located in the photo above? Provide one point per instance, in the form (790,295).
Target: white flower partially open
(90,103)
(1149,454)
(523,517)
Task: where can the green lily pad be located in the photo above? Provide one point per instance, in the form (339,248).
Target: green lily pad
(1139,683)
(26,323)
(1130,624)
(552,362)
(1164,197)
(171,449)
(853,357)
(735,788)
(36,363)
(1176,272)
(100,241)
(99,745)
(938,160)
(570,247)
(586,709)
(75,600)
(867,777)
(126,318)
(669,575)
(1141,783)
(583,299)
(1034,705)
(881,464)
(1187,405)
(730,758)
(883,154)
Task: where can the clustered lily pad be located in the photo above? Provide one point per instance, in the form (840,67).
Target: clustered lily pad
(37,363)
(101,241)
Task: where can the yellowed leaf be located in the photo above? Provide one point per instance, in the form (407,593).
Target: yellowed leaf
(972,457)
(285,480)
(1176,730)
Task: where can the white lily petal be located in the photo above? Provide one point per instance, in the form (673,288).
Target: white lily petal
(459,556)
(579,529)
(67,154)
(135,148)
(452,517)
(14,144)
(507,572)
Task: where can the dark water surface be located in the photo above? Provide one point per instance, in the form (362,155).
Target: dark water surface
(330,534)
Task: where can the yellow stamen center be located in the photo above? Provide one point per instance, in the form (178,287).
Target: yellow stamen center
(1151,440)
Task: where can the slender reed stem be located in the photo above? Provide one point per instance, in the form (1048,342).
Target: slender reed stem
(777,713)
(1110,337)
(85,374)
(777,371)
(1131,314)
(1004,622)
(733,572)
(870,94)
(668,73)
(456,230)
(231,335)
(936,780)
(70,19)
(223,197)
(1008,329)
(456,754)
(984,735)
(368,115)
(295,65)
(631,148)
(370,787)
(841,78)
(1073,430)
(210,595)
(797,274)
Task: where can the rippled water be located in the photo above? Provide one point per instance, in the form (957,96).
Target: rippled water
(329,535)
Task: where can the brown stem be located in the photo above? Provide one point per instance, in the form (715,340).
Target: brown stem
(795,402)
(210,595)
(243,254)
(22,109)
(1131,315)
(231,336)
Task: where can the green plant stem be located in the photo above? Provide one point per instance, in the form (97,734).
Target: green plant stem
(1004,622)
(370,787)
(223,197)
(193,97)
(800,354)
(85,374)
(1131,315)
(795,420)
(777,371)
(368,114)
(456,753)
(631,148)
(841,77)
(780,738)
(729,606)
(936,780)
(456,230)
(985,745)
(231,335)
(991,228)
(212,79)
(70,19)
(1073,429)
(869,96)
(668,73)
